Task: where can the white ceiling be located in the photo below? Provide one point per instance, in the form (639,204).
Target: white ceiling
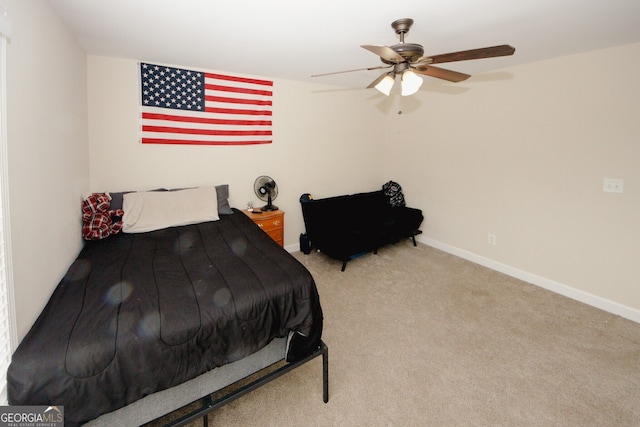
(293,39)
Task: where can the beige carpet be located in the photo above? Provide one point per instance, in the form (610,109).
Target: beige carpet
(418,337)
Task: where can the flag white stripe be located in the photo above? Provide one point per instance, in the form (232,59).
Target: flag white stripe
(203,116)
(232,106)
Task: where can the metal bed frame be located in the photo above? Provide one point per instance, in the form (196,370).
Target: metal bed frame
(208,404)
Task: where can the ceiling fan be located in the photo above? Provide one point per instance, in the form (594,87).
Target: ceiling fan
(407,59)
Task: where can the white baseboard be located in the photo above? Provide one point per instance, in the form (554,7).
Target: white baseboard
(559,288)
(292,248)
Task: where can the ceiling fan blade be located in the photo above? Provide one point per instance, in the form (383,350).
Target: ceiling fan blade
(384,52)
(441,73)
(376,81)
(350,71)
(465,55)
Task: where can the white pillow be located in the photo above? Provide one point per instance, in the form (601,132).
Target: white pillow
(154,210)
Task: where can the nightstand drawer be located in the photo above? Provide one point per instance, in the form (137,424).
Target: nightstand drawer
(271,222)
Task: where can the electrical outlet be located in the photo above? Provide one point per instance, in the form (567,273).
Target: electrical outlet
(492,239)
(611,185)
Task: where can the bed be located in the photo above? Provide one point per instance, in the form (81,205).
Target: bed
(142,312)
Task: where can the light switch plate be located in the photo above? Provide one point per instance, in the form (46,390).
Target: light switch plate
(612,185)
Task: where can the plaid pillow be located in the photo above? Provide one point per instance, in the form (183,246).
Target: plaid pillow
(394,192)
(98,221)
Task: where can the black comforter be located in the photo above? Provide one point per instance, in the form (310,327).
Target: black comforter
(139,313)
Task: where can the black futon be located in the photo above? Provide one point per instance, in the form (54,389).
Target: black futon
(344,227)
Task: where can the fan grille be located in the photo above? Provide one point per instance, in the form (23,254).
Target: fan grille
(267,190)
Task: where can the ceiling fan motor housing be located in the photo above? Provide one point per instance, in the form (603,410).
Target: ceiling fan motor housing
(411,52)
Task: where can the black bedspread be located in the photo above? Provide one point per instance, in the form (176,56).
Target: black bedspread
(139,313)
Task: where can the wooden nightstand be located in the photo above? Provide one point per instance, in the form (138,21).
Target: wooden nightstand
(272,222)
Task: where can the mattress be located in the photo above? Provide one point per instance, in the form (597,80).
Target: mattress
(139,313)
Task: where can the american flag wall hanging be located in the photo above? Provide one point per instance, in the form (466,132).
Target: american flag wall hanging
(180,106)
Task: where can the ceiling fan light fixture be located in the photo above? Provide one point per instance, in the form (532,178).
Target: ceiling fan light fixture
(411,82)
(385,85)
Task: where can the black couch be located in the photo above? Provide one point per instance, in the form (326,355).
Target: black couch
(347,226)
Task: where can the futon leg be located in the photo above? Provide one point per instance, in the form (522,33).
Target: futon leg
(344,264)
(325,373)
(413,236)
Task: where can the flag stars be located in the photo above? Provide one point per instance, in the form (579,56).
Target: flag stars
(169,87)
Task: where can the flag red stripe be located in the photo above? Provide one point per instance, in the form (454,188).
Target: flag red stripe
(221,88)
(191,119)
(194,142)
(238,79)
(169,129)
(234,111)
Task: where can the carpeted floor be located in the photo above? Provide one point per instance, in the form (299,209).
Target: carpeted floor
(418,337)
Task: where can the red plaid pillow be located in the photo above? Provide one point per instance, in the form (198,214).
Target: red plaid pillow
(98,221)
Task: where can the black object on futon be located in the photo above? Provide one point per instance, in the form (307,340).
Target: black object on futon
(139,313)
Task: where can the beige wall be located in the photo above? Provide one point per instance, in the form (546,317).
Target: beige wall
(326,141)
(522,153)
(47,151)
